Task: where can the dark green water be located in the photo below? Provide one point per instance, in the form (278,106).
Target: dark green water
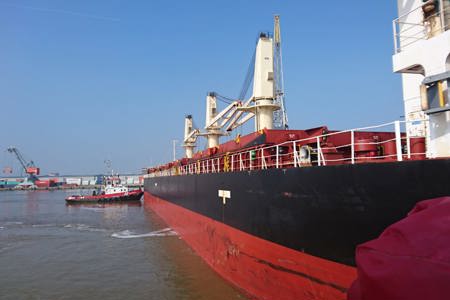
(49,250)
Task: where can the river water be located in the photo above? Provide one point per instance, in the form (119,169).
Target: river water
(49,250)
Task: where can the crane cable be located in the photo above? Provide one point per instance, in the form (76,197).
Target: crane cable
(224,99)
(246,84)
(248,77)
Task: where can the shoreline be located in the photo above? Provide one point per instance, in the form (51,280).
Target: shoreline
(57,188)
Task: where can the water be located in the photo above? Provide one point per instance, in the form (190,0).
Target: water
(52,251)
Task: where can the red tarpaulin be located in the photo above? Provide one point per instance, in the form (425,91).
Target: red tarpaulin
(411,258)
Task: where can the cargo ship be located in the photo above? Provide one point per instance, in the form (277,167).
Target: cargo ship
(279,212)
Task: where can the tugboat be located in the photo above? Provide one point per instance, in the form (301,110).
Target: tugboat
(112,191)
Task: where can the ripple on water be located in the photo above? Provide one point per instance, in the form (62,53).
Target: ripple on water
(13,223)
(84,227)
(49,250)
(43,225)
(128,234)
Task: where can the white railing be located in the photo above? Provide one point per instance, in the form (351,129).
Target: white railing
(417,25)
(361,147)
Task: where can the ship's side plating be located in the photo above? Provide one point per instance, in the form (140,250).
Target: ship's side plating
(312,217)
(323,211)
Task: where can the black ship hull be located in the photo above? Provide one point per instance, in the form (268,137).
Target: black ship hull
(324,212)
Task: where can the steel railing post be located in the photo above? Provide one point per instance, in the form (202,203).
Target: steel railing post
(277,155)
(408,142)
(352,144)
(398,141)
(294,152)
(394,29)
(318,151)
(442,15)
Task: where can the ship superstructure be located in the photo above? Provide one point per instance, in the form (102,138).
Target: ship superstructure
(278,212)
(422,56)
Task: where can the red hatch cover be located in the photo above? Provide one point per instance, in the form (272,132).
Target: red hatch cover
(411,258)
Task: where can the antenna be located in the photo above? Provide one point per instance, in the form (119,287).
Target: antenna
(108,165)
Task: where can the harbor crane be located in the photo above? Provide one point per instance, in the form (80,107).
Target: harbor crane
(28,166)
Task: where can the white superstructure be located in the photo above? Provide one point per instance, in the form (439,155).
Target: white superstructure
(422,52)
(113,185)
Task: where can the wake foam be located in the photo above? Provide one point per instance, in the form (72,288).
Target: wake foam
(95,209)
(128,234)
(43,225)
(84,227)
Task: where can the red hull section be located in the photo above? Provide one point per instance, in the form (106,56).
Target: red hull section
(262,269)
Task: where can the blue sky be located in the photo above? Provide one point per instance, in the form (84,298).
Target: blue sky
(84,81)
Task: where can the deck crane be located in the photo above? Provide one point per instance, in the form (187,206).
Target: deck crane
(28,166)
(190,136)
(265,87)
(215,122)
(266,104)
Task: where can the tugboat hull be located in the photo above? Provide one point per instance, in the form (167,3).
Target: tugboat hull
(118,197)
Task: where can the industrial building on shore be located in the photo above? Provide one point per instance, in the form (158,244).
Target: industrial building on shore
(66,182)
